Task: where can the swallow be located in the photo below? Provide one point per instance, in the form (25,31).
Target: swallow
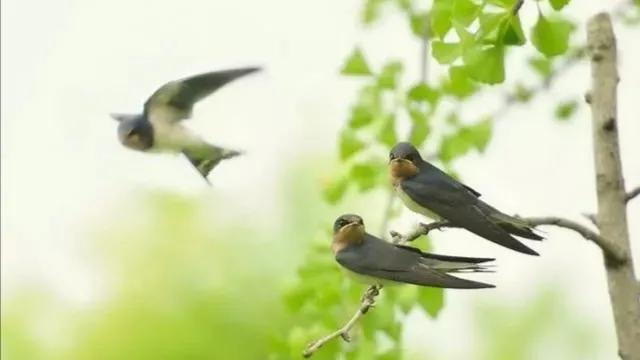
(378,262)
(159,127)
(429,191)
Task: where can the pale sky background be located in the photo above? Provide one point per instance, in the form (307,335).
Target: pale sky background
(67,64)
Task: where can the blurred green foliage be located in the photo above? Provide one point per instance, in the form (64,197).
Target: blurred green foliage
(179,284)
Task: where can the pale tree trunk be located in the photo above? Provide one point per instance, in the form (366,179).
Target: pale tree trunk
(612,215)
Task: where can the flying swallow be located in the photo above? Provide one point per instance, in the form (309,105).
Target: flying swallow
(377,262)
(159,127)
(427,190)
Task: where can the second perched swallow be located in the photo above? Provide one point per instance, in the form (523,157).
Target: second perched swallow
(159,128)
(378,262)
(427,190)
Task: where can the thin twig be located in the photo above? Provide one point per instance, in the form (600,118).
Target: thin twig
(631,194)
(422,229)
(367,302)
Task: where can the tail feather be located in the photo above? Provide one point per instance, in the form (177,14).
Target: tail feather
(205,161)
(511,224)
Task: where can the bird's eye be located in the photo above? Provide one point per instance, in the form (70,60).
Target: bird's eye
(409,157)
(391,156)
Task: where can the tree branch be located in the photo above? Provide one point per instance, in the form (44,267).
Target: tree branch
(631,194)
(612,252)
(368,301)
(612,212)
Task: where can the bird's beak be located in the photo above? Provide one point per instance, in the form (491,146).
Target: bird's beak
(398,161)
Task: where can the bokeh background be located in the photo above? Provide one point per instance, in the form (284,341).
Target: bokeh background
(112,254)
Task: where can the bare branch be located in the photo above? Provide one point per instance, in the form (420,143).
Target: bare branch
(607,248)
(423,229)
(367,302)
(631,194)
(612,252)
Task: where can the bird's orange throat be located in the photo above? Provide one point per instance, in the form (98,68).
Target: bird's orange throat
(350,234)
(400,169)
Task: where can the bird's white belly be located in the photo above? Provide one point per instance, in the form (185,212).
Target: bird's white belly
(173,138)
(413,206)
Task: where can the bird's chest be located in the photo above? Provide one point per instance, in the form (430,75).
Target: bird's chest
(172,137)
(414,206)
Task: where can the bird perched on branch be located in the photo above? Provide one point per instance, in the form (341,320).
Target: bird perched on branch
(377,262)
(159,127)
(429,191)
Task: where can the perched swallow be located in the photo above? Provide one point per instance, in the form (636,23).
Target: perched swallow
(159,128)
(377,262)
(427,190)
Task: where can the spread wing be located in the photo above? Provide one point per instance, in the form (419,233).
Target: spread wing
(174,101)
(453,202)
(379,259)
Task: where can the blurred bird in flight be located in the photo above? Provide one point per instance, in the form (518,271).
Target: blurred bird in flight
(159,127)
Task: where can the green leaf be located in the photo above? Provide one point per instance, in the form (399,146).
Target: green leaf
(479,134)
(489,31)
(542,65)
(371,11)
(522,93)
(466,138)
(349,144)
(367,107)
(440,17)
(366,174)
(387,134)
(335,190)
(356,64)
(389,75)
(566,109)
(360,116)
(466,37)
(432,300)
(419,24)
(459,84)
(420,127)
(446,53)
(423,92)
(512,33)
(485,64)
(551,36)
(505,4)
(558,4)
(406,297)
(453,146)
(465,11)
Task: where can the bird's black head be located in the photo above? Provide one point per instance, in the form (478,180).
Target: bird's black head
(404,162)
(347,220)
(406,151)
(134,131)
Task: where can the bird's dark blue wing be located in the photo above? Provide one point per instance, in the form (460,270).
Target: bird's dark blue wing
(174,101)
(379,259)
(460,207)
